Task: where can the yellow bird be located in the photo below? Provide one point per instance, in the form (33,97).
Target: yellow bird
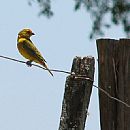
(28,50)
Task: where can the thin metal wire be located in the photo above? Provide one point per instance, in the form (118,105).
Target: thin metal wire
(75,76)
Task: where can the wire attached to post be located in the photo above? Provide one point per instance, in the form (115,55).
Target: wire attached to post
(71,73)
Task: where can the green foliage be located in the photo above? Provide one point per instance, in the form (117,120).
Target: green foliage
(119,11)
(45,7)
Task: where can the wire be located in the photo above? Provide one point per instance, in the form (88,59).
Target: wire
(75,76)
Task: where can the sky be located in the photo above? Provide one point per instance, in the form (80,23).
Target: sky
(30,99)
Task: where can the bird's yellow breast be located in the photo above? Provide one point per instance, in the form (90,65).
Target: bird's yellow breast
(22,50)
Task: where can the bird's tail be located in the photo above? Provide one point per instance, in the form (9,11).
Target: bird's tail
(47,68)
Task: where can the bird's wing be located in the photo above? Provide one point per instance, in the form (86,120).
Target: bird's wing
(32,50)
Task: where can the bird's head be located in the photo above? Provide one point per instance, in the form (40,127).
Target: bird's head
(25,33)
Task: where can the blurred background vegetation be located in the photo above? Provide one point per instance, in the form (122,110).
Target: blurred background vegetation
(118,10)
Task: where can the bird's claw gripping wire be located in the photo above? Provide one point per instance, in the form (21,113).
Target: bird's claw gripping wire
(29,63)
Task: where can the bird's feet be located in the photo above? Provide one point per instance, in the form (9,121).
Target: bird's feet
(29,63)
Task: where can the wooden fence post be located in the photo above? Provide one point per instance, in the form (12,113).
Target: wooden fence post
(77,94)
(114,77)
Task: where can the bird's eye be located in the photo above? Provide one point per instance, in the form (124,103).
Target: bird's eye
(29,31)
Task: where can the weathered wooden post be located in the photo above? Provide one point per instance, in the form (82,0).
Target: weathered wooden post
(114,77)
(77,94)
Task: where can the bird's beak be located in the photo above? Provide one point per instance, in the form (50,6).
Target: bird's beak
(33,33)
